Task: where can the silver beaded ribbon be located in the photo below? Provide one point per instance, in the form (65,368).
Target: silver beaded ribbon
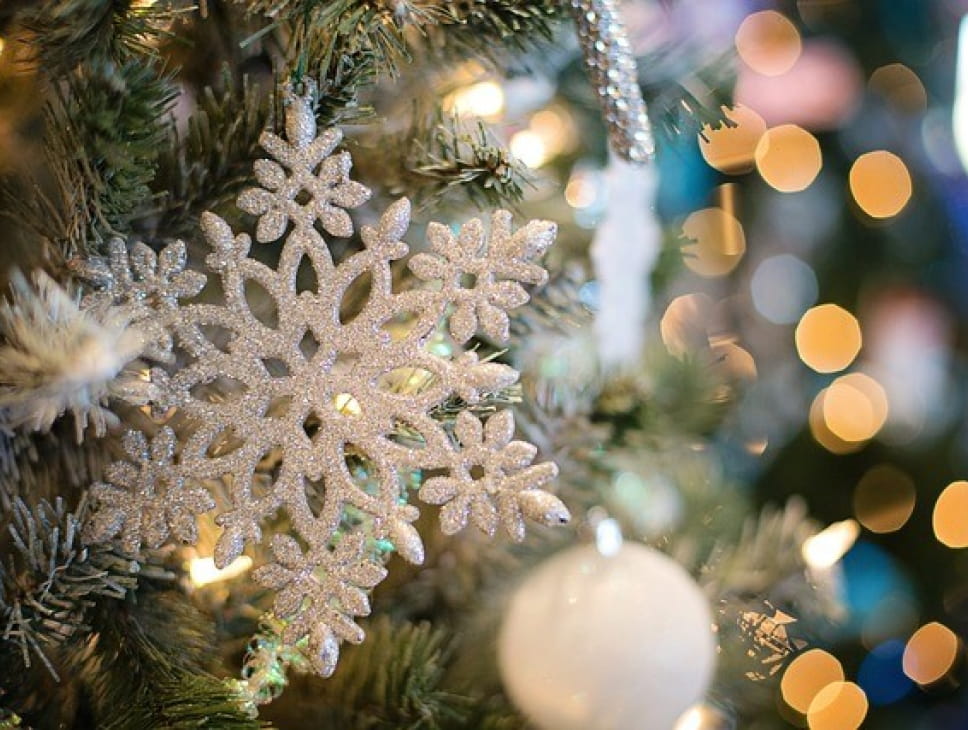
(611,67)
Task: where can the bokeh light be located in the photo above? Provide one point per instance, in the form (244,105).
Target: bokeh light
(821,91)
(855,407)
(735,362)
(732,150)
(881,184)
(822,434)
(881,674)
(838,706)
(717,242)
(768,42)
(950,518)
(684,324)
(828,338)
(827,547)
(788,158)
(807,675)
(900,86)
(783,288)
(884,499)
(931,653)
(484,99)
(202,571)
(530,148)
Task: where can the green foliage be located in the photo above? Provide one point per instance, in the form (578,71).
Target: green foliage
(487,27)
(442,156)
(65,33)
(394,680)
(149,666)
(682,103)
(105,128)
(49,581)
(211,162)
(109,126)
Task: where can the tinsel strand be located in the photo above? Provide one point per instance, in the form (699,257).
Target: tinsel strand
(612,70)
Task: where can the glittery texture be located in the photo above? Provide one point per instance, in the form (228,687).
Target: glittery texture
(611,68)
(320,592)
(145,284)
(146,498)
(491,480)
(277,373)
(496,267)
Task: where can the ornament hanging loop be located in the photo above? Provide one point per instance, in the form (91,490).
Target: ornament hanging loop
(300,112)
(612,70)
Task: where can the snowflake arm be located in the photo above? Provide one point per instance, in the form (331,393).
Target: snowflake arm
(320,593)
(146,499)
(498,267)
(492,481)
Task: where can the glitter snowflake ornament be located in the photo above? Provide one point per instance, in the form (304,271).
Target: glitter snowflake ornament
(310,407)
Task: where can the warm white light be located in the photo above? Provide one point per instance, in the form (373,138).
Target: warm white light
(202,571)
(608,537)
(691,719)
(824,549)
(483,99)
(959,120)
(346,404)
(529,147)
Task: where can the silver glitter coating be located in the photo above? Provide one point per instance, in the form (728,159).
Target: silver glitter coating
(146,498)
(145,284)
(491,480)
(320,592)
(276,374)
(611,68)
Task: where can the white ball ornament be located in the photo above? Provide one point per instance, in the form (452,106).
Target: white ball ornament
(607,642)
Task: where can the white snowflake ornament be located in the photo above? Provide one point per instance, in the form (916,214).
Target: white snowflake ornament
(325,413)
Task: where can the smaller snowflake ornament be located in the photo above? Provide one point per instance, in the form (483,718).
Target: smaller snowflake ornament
(493,481)
(318,418)
(146,498)
(321,604)
(146,285)
(498,266)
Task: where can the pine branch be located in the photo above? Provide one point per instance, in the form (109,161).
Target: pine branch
(489,28)
(105,128)
(49,581)
(210,164)
(440,156)
(681,105)
(393,680)
(149,668)
(66,33)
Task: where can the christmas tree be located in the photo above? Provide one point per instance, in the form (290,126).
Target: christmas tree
(480,364)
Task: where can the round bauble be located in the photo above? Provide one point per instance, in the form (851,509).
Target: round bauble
(596,642)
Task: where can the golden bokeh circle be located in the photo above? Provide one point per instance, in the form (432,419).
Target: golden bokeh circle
(717,242)
(950,518)
(768,42)
(900,86)
(807,675)
(822,434)
(931,653)
(880,184)
(838,706)
(884,499)
(788,158)
(732,150)
(855,407)
(828,338)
